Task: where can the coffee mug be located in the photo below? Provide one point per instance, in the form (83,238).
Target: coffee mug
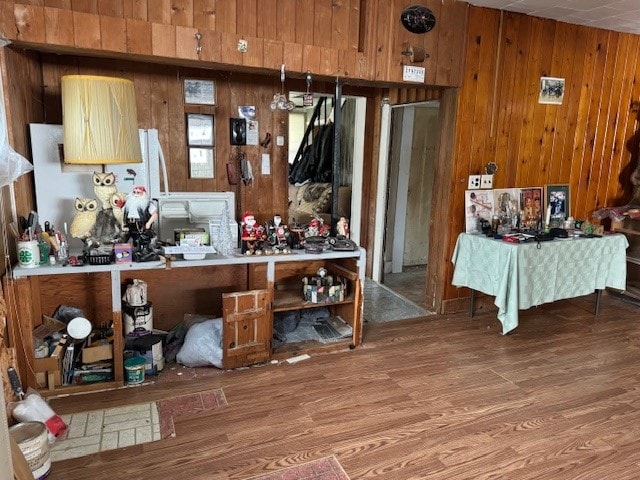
(28,253)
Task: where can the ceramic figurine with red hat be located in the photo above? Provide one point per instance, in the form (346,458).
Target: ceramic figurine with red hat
(140,213)
(252,235)
(278,234)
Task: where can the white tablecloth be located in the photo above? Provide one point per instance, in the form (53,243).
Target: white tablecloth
(522,275)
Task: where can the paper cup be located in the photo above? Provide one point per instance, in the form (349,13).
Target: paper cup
(28,254)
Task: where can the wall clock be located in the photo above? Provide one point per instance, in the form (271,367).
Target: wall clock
(417,19)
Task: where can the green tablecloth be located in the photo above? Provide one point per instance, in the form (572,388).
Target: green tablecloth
(520,276)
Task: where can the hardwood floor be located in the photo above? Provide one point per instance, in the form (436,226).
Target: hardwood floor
(445,397)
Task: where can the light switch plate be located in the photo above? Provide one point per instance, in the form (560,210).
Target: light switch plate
(486,181)
(474,182)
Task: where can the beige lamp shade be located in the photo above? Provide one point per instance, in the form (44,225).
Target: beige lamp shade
(99,120)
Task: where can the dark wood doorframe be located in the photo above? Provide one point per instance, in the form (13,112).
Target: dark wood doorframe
(438,255)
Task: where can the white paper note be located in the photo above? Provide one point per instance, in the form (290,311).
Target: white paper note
(252,132)
(266,164)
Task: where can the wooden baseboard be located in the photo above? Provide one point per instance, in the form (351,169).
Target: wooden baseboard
(459,305)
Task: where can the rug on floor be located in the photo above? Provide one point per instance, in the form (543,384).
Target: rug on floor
(189,404)
(322,469)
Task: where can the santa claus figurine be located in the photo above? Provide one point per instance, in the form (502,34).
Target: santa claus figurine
(252,235)
(342,228)
(277,233)
(140,213)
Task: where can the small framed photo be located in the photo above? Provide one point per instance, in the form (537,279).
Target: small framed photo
(200,130)
(201,162)
(506,206)
(532,207)
(199,92)
(478,208)
(557,204)
(551,90)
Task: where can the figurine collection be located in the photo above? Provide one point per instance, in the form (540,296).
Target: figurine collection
(119,227)
(277,238)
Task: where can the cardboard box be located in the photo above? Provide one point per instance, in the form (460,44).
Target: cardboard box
(48,380)
(48,372)
(97,353)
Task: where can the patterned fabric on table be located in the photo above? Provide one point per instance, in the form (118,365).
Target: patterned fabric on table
(522,276)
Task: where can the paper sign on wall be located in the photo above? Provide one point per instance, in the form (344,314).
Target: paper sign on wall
(411,73)
(252,132)
(266,164)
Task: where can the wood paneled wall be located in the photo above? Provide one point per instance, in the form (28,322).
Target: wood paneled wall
(160,105)
(589,142)
(354,39)
(22,101)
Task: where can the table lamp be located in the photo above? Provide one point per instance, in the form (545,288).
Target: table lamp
(99,120)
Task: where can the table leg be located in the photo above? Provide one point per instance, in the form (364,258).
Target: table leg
(598,296)
(472,300)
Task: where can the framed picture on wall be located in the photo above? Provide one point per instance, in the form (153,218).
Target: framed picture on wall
(551,90)
(201,163)
(199,92)
(531,207)
(200,145)
(557,204)
(200,130)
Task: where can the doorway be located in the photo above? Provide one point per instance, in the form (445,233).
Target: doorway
(412,151)
(352,140)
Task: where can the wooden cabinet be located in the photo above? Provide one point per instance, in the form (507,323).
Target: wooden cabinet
(246,330)
(288,290)
(630,227)
(32,294)
(245,291)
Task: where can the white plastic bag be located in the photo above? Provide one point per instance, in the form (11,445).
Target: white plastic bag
(34,409)
(202,345)
(12,164)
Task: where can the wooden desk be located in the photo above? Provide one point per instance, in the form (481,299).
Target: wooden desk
(521,276)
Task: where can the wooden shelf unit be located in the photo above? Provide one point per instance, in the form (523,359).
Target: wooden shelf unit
(630,227)
(175,289)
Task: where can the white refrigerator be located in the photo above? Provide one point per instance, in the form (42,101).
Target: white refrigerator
(58,184)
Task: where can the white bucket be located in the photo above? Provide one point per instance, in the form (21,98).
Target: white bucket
(31,437)
(155,359)
(151,347)
(28,254)
(139,318)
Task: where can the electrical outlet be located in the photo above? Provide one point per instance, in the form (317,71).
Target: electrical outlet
(474,182)
(486,181)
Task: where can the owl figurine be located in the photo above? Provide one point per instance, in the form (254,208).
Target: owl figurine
(85,217)
(104,186)
(117,204)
